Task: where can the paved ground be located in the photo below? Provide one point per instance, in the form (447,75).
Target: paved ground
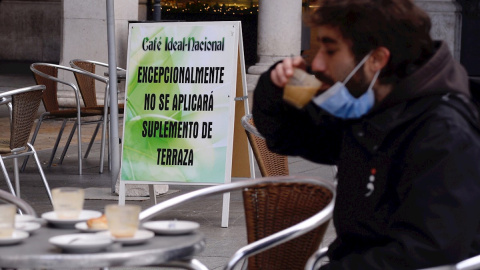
(221,242)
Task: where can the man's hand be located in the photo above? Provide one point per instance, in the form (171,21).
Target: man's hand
(284,70)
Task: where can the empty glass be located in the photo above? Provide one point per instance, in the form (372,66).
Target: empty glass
(122,219)
(7,220)
(68,202)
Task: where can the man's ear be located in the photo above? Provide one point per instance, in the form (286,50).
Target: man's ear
(378,59)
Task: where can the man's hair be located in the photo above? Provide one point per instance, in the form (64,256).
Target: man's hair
(398,25)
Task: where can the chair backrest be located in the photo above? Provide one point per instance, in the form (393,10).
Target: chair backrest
(50,100)
(277,209)
(25,103)
(21,204)
(269,163)
(86,79)
(86,84)
(47,73)
(274,207)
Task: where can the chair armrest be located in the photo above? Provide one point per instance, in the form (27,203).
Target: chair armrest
(24,206)
(249,127)
(33,68)
(72,64)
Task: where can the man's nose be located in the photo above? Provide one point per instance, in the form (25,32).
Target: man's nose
(318,63)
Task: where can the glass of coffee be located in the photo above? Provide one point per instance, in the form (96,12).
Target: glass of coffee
(301,88)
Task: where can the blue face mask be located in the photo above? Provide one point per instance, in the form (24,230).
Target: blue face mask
(338,101)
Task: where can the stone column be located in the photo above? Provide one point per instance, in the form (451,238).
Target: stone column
(279,35)
(446,22)
(84,35)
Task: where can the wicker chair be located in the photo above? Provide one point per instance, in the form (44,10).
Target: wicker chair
(269,163)
(25,103)
(86,84)
(47,74)
(286,218)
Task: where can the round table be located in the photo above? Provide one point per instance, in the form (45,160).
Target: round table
(37,252)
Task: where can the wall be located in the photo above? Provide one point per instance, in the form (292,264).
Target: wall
(30,30)
(84,36)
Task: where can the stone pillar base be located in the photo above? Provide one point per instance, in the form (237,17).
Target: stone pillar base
(141,190)
(252,80)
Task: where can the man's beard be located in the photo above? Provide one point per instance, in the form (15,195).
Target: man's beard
(324,79)
(358,84)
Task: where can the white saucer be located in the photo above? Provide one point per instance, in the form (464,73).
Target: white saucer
(81,242)
(171,226)
(139,237)
(27,226)
(52,218)
(24,218)
(16,237)
(83,227)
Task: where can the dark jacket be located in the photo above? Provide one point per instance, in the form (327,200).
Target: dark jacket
(408,172)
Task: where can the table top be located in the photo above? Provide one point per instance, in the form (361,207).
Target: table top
(37,252)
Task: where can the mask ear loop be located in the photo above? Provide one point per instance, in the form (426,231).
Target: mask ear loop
(374,79)
(356,68)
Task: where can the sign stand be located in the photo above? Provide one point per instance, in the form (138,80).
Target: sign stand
(181,123)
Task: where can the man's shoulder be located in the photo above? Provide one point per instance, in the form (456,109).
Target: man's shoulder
(454,110)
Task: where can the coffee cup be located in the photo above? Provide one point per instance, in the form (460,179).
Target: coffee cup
(301,88)
(7,220)
(68,202)
(122,219)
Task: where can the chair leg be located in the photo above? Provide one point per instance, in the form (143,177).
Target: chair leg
(104,136)
(106,115)
(42,175)
(7,179)
(108,148)
(68,143)
(16,177)
(9,184)
(92,140)
(79,135)
(79,154)
(59,136)
(245,264)
(34,136)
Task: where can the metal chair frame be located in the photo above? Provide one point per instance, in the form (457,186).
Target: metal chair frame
(21,147)
(22,205)
(106,106)
(267,242)
(269,163)
(80,112)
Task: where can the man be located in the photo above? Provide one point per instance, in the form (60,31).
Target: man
(394,114)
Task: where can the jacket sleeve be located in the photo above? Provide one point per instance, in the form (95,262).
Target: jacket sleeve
(294,132)
(437,221)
